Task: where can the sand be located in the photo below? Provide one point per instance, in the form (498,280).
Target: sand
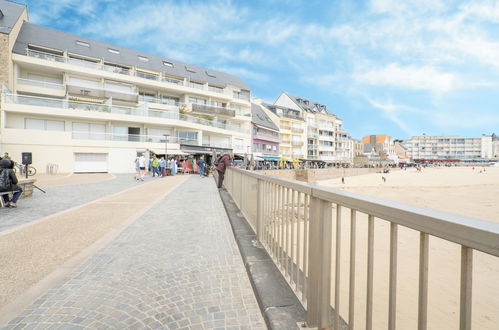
(458,190)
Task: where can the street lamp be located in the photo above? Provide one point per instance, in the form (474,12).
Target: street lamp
(166,145)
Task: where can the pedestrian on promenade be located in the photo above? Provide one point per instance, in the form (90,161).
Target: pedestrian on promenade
(6,156)
(137,169)
(142,166)
(343,180)
(223,163)
(154,166)
(174,166)
(162,165)
(201,166)
(8,182)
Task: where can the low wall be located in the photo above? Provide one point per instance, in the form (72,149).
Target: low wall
(314,175)
(27,187)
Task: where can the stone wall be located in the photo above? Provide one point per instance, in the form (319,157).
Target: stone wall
(4,59)
(27,186)
(314,175)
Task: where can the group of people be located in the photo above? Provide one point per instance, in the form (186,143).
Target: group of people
(8,181)
(157,166)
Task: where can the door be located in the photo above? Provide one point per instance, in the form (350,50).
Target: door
(90,163)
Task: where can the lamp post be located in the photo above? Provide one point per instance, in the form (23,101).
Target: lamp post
(166,145)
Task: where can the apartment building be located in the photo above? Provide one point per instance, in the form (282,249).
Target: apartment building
(91,106)
(264,135)
(427,147)
(325,137)
(292,130)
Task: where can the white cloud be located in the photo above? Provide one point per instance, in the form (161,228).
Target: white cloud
(393,113)
(408,77)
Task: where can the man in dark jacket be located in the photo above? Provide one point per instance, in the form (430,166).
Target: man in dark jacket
(10,183)
(223,163)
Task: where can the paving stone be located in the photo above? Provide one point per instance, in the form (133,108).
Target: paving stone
(177,266)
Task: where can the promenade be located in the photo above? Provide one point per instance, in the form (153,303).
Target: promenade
(122,254)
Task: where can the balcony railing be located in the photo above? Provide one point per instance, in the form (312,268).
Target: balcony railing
(39,83)
(123,70)
(305,228)
(297,129)
(266,135)
(107,108)
(212,110)
(297,143)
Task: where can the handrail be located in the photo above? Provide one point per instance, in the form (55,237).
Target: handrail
(294,223)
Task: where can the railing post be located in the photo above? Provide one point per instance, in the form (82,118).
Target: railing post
(319,270)
(259,210)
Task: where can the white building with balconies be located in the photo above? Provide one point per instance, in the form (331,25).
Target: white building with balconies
(90,106)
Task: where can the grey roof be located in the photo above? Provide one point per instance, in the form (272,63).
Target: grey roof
(9,14)
(59,40)
(259,117)
(308,105)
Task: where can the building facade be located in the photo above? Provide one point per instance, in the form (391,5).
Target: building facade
(426,147)
(90,106)
(325,138)
(264,135)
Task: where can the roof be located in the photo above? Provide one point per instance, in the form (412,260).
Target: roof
(9,14)
(379,138)
(46,37)
(260,118)
(308,105)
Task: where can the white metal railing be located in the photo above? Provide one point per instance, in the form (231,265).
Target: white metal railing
(302,227)
(104,107)
(40,83)
(105,136)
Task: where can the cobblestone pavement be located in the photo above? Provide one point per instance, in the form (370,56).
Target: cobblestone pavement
(62,198)
(177,267)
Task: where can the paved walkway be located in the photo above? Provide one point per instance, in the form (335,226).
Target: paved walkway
(62,198)
(177,266)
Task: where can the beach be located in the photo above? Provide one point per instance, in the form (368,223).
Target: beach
(460,190)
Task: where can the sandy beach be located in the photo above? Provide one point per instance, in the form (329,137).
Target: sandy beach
(460,190)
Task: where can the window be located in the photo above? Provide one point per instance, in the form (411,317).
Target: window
(82,43)
(187,137)
(169,100)
(143,58)
(209,74)
(197,100)
(88,131)
(114,51)
(44,125)
(215,89)
(190,69)
(168,64)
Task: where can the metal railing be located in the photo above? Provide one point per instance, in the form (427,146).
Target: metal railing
(103,107)
(302,227)
(40,83)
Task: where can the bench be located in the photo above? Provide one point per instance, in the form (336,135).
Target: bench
(2,203)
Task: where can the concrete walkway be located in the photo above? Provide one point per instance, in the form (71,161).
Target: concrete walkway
(176,266)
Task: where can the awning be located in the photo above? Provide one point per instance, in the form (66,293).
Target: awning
(274,159)
(258,159)
(171,152)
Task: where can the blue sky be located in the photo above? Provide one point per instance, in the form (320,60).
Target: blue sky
(383,66)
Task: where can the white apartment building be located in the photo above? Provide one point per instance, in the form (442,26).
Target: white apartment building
(90,106)
(325,138)
(449,147)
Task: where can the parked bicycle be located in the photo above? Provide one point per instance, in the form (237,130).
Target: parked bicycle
(21,168)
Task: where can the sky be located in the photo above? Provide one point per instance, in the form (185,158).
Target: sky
(401,68)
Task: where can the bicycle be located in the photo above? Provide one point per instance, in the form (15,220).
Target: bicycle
(21,167)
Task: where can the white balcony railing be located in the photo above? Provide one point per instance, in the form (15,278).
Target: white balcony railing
(107,108)
(39,83)
(125,71)
(305,228)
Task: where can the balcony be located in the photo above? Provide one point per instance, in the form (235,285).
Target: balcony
(212,110)
(266,136)
(297,143)
(93,90)
(312,146)
(144,111)
(40,87)
(297,130)
(285,127)
(39,83)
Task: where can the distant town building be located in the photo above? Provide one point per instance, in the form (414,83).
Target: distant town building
(265,135)
(379,146)
(429,148)
(401,152)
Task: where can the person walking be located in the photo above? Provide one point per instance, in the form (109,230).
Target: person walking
(162,165)
(223,163)
(201,166)
(142,166)
(137,169)
(154,166)
(8,182)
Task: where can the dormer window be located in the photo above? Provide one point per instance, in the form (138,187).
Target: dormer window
(209,74)
(113,51)
(82,43)
(190,69)
(143,58)
(168,64)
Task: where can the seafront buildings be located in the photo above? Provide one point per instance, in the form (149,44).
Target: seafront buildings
(425,147)
(90,106)
(264,135)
